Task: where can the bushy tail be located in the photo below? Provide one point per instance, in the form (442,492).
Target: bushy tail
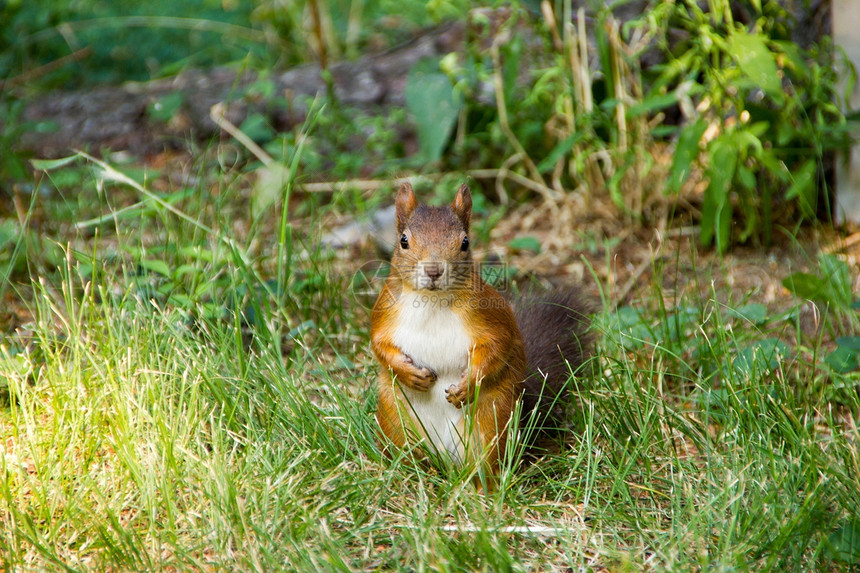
(556,329)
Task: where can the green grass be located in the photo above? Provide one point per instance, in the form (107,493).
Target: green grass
(211,418)
(186,382)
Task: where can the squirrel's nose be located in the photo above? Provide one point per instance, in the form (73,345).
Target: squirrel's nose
(433,270)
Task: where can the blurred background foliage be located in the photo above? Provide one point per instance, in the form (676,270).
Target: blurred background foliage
(710,112)
(137,41)
(127,40)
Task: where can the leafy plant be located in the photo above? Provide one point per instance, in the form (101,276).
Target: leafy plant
(846,357)
(833,285)
(758,113)
(769,107)
(434,106)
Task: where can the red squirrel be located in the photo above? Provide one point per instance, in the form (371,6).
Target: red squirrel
(454,356)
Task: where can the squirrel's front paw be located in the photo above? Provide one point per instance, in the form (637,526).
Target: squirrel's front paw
(420,379)
(456,394)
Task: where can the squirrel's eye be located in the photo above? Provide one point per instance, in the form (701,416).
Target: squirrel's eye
(464,246)
(404,242)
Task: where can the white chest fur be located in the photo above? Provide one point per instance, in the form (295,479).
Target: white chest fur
(434,336)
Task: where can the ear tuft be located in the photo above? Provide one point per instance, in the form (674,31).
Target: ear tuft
(404,203)
(462,205)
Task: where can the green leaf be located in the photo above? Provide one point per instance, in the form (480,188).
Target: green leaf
(204,289)
(756,62)
(48,164)
(842,360)
(257,127)
(685,155)
(755,313)
(9,231)
(434,106)
(614,187)
(155,266)
(759,357)
(716,208)
(844,542)
(746,177)
(794,56)
(604,52)
(744,139)
(512,53)
(662,131)
(263,88)
(849,342)
(180,300)
(164,108)
(198,253)
(805,285)
(628,323)
(559,151)
(758,130)
(652,103)
(837,275)
(846,357)
(803,187)
(182,270)
(302,328)
(525,244)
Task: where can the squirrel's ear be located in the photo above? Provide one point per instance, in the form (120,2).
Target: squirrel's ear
(404,204)
(462,205)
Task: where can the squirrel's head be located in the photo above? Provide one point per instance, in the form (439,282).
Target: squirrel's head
(432,250)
